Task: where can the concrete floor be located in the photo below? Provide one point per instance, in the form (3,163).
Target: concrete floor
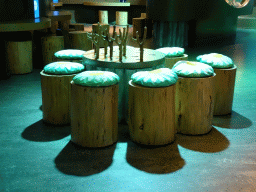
(39,157)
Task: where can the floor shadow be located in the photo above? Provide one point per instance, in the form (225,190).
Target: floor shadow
(123,132)
(155,159)
(212,142)
(79,161)
(43,132)
(232,121)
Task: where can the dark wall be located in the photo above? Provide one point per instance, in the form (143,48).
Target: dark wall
(11,10)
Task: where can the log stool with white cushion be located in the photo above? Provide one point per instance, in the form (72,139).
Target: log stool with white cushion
(73,55)
(224,82)
(56,91)
(194,100)
(152,107)
(173,55)
(94,108)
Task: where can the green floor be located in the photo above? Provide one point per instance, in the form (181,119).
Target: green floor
(37,157)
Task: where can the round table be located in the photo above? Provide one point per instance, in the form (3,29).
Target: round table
(130,64)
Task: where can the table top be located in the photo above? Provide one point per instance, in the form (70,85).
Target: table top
(59,15)
(131,61)
(25,25)
(107,4)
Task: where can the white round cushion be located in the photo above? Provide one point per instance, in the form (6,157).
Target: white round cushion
(172,51)
(63,68)
(162,77)
(216,60)
(70,54)
(96,78)
(192,69)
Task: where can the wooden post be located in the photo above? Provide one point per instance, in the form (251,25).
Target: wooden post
(121,18)
(194,104)
(94,117)
(56,93)
(138,25)
(50,45)
(224,90)
(151,114)
(170,61)
(79,40)
(103,17)
(19,56)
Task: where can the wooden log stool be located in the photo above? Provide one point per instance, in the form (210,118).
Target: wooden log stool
(71,55)
(50,45)
(94,107)
(224,82)
(194,100)
(173,55)
(19,52)
(79,40)
(56,91)
(151,112)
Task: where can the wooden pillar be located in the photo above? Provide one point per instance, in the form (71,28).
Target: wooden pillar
(224,90)
(103,17)
(94,117)
(151,114)
(121,18)
(194,104)
(138,25)
(50,45)
(19,56)
(56,93)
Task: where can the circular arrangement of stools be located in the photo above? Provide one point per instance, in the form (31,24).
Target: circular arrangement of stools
(94,108)
(194,97)
(56,91)
(173,55)
(74,55)
(152,106)
(224,82)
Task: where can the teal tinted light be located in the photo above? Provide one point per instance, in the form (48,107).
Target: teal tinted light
(55,1)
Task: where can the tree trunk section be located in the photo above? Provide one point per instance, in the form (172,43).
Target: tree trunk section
(19,56)
(94,115)
(194,104)
(151,114)
(224,90)
(56,93)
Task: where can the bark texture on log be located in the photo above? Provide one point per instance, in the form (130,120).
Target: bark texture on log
(224,90)
(56,93)
(19,56)
(194,104)
(94,117)
(151,114)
